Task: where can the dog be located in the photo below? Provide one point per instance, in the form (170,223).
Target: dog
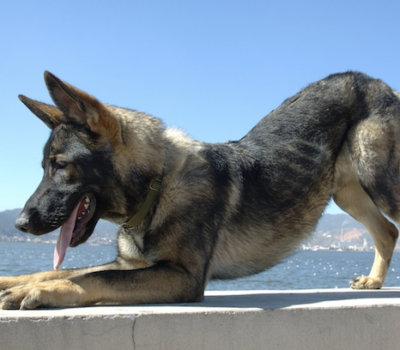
(191,211)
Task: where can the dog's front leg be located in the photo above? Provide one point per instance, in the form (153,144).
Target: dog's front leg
(37,286)
(45,294)
(7,282)
(157,284)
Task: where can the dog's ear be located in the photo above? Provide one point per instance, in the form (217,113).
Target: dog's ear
(48,114)
(82,108)
(76,104)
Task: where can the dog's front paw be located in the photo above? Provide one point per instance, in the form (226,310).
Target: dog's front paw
(22,297)
(7,301)
(366,282)
(45,294)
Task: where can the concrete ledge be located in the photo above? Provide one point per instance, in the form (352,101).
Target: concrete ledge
(303,319)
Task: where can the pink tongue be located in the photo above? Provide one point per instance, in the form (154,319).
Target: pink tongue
(64,239)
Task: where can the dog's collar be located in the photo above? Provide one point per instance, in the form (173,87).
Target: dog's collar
(154,192)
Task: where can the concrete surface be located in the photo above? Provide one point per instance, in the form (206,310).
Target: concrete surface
(303,319)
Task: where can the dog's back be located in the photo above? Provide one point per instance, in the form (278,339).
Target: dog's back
(324,141)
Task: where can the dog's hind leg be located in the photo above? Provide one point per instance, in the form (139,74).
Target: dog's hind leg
(354,200)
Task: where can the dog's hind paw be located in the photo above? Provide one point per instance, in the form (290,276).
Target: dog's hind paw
(366,282)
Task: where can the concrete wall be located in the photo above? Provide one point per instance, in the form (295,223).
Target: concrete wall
(314,319)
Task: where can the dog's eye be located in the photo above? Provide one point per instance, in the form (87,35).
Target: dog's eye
(59,165)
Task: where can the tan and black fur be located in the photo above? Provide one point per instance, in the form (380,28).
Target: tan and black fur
(225,210)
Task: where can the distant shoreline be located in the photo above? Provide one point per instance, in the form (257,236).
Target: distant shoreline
(314,249)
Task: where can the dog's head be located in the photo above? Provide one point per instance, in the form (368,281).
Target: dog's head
(83,177)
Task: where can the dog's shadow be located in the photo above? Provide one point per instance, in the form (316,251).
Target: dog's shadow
(269,300)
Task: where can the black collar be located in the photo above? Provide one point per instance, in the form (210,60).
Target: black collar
(154,193)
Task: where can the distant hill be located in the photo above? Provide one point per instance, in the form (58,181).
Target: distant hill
(7,219)
(330,222)
(340,231)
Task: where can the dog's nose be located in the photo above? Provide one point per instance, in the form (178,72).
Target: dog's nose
(22,222)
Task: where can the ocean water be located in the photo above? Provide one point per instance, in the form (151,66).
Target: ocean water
(302,270)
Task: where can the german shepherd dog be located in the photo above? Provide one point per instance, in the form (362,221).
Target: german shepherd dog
(191,211)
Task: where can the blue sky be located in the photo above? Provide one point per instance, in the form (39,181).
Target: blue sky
(212,68)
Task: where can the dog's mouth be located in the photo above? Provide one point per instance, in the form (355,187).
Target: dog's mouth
(76,229)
